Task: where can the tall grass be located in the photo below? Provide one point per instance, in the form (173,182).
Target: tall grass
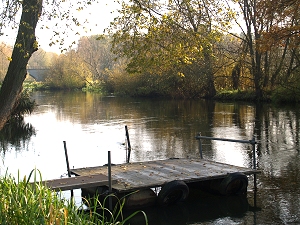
(24,203)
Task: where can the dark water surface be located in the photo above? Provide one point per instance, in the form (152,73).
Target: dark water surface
(91,125)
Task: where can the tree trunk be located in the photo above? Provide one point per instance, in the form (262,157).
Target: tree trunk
(24,46)
(211,90)
(235,75)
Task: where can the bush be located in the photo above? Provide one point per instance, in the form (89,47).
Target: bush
(282,94)
(24,105)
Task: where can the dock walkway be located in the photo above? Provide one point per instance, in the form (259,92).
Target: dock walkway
(140,175)
(71,183)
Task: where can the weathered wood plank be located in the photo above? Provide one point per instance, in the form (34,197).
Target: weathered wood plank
(132,176)
(70,183)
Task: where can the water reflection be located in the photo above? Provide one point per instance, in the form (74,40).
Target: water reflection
(161,129)
(200,208)
(15,134)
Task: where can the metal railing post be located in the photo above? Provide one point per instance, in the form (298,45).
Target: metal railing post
(200,146)
(253,142)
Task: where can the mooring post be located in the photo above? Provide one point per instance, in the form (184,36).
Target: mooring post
(254,160)
(109,181)
(200,145)
(128,142)
(68,166)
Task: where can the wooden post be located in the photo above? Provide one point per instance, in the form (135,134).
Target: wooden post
(68,166)
(128,142)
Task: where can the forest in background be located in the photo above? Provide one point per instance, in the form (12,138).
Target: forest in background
(185,49)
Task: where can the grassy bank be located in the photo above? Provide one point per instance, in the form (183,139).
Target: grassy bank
(281,95)
(22,203)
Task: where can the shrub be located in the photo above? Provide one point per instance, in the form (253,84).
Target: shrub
(282,94)
(24,105)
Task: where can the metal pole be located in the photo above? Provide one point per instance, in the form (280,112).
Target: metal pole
(109,181)
(254,161)
(68,166)
(252,142)
(128,142)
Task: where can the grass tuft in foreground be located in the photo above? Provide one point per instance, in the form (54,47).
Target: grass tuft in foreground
(22,203)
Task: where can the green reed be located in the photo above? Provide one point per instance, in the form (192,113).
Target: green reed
(23,203)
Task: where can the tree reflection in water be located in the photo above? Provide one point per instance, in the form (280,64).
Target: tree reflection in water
(16,132)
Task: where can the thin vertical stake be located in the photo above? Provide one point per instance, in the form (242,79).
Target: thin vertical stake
(254,161)
(68,166)
(128,142)
(200,146)
(109,181)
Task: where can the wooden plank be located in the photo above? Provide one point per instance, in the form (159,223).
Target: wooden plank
(70,183)
(132,176)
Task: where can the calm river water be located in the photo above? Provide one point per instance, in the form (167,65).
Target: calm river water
(92,125)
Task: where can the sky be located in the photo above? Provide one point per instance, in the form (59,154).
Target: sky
(98,16)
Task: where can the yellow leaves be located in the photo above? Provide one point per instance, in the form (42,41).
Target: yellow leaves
(100,37)
(164,17)
(180,74)
(18,45)
(9,59)
(188,60)
(35,45)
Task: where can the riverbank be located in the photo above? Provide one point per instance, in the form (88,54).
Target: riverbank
(281,95)
(277,96)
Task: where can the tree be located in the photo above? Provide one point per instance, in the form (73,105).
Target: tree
(26,44)
(271,39)
(175,40)
(68,71)
(284,34)
(95,52)
(41,59)
(5,53)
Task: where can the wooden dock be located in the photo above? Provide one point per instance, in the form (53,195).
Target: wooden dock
(71,183)
(141,175)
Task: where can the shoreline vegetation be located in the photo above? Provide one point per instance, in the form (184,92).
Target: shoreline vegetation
(22,203)
(281,95)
